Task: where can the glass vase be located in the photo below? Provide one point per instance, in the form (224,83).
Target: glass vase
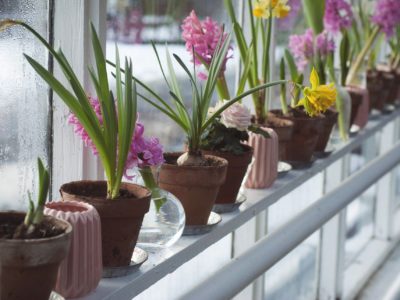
(164,223)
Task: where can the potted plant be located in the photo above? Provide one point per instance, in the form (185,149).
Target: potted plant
(310,131)
(385,19)
(225,138)
(227,135)
(32,247)
(307,115)
(257,66)
(193,177)
(121,206)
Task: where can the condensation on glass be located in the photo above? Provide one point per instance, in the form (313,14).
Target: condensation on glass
(24,108)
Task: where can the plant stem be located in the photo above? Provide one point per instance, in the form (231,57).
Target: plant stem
(151,183)
(343,127)
(359,60)
(222,88)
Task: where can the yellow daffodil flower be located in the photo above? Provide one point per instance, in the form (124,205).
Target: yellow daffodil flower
(264,8)
(318,98)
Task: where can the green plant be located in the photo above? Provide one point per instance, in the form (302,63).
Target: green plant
(261,31)
(194,121)
(295,76)
(34,215)
(220,138)
(111,137)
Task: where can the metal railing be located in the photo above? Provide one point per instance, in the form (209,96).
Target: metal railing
(243,270)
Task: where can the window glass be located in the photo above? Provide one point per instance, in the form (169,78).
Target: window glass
(133,25)
(360,213)
(295,276)
(24,109)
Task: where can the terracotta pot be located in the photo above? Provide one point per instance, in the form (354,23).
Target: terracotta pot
(237,167)
(81,271)
(195,186)
(375,90)
(121,218)
(282,127)
(331,117)
(356,101)
(362,112)
(264,169)
(389,85)
(29,267)
(306,133)
(398,84)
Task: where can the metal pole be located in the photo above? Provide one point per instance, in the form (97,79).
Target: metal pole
(235,276)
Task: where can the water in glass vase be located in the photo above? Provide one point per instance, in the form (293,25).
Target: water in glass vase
(163,225)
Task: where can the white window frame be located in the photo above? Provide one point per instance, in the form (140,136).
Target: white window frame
(71,161)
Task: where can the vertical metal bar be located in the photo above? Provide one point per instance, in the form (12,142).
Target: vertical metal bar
(331,265)
(248,234)
(261,231)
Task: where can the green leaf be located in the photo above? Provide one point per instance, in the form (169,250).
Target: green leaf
(294,74)
(246,71)
(238,98)
(314,13)
(344,53)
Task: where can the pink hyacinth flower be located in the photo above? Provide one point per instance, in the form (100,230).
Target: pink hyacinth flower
(338,16)
(387,16)
(202,36)
(143,151)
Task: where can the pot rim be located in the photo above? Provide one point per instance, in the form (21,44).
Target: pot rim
(305,118)
(88,208)
(104,199)
(67,231)
(268,125)
(248,150)
(224,163)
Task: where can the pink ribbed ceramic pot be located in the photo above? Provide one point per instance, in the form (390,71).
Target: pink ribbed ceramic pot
(264,170)
(81,271)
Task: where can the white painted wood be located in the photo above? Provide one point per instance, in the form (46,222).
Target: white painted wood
(243,238)
(368,261)
(385,189)
(332,242)
(279,243)
(71,161)
(162,263)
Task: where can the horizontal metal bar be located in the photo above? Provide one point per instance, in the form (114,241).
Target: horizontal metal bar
(240,272)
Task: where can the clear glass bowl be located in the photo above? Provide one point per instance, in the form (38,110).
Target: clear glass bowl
(163,225)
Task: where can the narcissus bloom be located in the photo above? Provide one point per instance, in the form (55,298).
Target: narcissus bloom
(265,8)
(318,98)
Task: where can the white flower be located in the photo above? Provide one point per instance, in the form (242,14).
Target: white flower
(235,116)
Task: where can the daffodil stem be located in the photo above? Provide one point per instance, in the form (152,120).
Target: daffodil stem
(343,127)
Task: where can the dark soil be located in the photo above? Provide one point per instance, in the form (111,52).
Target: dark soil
(46,229)
(94,190)
(209,161)
(300,113)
